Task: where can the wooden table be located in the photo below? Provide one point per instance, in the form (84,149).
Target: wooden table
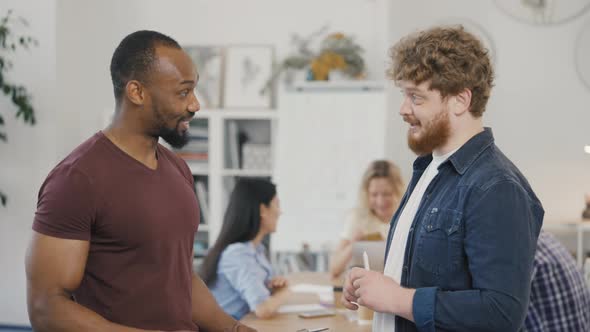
(291,322)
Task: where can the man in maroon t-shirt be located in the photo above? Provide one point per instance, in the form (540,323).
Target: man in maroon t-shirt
(116,219)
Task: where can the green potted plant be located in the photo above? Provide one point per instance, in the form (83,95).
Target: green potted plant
(10,42)
(337,52)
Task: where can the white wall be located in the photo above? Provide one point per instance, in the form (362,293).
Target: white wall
(29,154)
(88,33)
(539,107)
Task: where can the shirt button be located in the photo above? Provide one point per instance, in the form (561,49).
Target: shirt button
(405,267)
(429,227)
(411,229)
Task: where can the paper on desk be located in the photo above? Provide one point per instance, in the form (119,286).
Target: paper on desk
(325,293)
(296,308)
(311,288)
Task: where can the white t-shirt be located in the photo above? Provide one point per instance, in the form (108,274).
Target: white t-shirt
(395,258)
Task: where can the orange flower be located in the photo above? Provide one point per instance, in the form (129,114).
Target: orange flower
(319,69)
(327,61)
(337,35)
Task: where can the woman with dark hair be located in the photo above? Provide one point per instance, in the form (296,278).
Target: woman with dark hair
(236,269)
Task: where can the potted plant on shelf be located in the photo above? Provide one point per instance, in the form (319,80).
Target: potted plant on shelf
(338,53)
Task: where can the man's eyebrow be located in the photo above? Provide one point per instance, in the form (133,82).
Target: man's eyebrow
(187,82)
(412,89)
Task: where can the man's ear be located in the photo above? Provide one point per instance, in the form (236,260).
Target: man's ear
(461,102)
(263,210)
(135,92)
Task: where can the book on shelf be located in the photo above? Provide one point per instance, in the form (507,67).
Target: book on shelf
(201,143)
(196,149)
(232,141)
(236,139)
(198,133)
(203,198)
(199,249)
(193,156)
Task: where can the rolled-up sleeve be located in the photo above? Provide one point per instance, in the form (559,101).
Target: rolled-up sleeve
(245,275)
(423,308)
(502,225)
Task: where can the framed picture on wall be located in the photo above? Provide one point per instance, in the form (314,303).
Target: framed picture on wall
(583,54)
(248,67)
(209,61)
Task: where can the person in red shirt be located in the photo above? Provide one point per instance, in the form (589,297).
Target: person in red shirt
(115,223)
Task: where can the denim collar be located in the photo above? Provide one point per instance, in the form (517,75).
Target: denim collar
(465,156)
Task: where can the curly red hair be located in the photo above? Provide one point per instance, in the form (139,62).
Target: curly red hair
(450,58)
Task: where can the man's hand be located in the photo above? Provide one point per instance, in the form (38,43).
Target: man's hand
(244,328)
(377,292)
(349,294)
(277,283)
(238,327)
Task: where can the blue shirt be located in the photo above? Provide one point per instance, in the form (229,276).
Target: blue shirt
(242,275)
(560,299)
(471,245)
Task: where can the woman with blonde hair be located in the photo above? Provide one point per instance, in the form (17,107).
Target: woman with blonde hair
(380,193)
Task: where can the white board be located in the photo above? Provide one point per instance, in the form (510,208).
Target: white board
(325,140)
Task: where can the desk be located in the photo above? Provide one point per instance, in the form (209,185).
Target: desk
(579,227)
(291,322)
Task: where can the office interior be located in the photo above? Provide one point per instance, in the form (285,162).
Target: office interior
(538,110)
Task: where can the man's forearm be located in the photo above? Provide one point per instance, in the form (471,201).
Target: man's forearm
(60,314)
(404,304)
(207,314)
(468,310)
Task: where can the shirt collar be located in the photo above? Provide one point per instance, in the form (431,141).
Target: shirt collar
(257,248)
(465,156)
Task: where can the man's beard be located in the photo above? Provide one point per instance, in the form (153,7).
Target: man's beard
(434,134)
(173,137)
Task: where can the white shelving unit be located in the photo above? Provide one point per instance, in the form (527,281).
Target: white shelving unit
(577,227)
(218,170)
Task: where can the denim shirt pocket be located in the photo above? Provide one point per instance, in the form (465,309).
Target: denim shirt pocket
(439,245)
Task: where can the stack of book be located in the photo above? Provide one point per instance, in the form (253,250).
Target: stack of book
(203,197)
(197,148)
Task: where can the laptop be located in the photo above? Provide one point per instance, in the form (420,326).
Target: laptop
(375,250)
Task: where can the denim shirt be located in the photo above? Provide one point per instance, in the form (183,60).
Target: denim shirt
(472,242)
(243,272)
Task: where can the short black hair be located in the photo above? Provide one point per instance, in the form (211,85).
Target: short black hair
(134,56)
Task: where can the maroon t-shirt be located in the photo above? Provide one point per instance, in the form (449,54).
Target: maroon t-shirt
(140,224)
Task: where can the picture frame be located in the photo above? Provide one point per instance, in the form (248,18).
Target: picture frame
(209,62)
(247,69)
(582,53)
(548,12)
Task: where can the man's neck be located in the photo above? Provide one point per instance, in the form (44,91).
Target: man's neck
(133,141)
(458,138)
